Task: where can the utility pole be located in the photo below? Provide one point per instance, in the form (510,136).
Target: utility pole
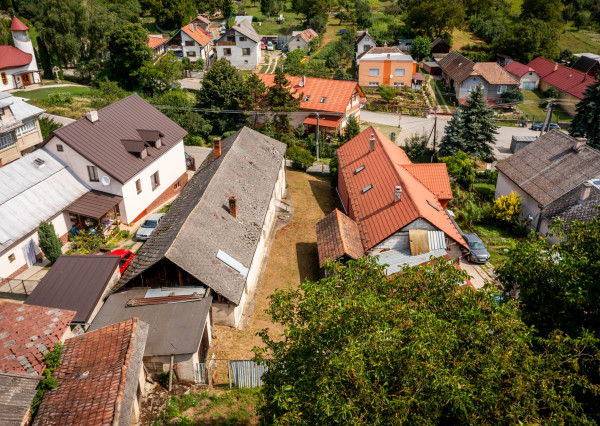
(317,137)
(548,116)
(434,136)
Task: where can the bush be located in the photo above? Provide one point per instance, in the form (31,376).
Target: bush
(461,168)
(48,125)
(194,140)
(86,242)
(301,158)
(551,92)
(52,360)
(60,99)
(508,209)
(317,23)
(49,242)
(163,378)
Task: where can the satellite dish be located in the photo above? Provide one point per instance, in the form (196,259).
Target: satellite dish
(301,84)
(105,180)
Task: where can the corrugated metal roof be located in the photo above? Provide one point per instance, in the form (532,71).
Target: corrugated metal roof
(398,260)
(22,110)
(30,194)
(16,395)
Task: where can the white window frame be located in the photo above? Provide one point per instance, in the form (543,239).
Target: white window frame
(25,129)
(399,72)
(399,84)
(373,72)
(502,88)
(373,83)
(7,139)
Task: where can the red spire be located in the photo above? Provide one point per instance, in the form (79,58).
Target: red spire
(17,25)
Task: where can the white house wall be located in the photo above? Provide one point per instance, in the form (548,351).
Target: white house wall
(197,49)
(11,80)
(365,44)
(505,186)
(236,58)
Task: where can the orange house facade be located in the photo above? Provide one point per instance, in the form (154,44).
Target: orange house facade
(390,69)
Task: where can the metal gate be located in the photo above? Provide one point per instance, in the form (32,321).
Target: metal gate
(246,374)
(200,373)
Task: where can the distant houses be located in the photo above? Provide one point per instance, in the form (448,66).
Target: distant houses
(192,42)
(302,40)
(240,45)
(364,42)
(528,78)
(386,65)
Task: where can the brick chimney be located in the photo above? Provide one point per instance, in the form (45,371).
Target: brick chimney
(397,194)
(584,192)
(233,206)
(372,143)
(579,145)
(555,66)
(217,147)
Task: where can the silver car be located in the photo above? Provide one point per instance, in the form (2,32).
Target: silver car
(479,253)
(151,222)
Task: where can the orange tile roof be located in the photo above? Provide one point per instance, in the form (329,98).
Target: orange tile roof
(92,377)
(27,332)
(338,235)
(493,73)
(155,41)
(337,93)
(201,36)
(324,120)
(435,178)
(386,167)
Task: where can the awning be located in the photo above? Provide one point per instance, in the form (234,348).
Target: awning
(332,121)
(418,77)
(94,204)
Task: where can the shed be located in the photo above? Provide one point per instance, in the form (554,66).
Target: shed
(519,142)
(432,68)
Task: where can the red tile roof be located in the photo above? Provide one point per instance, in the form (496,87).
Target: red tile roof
(201,36)
(324,120)
(563,78)
(307,35)
(155,41)
(92,377)
(11,57)
(337,93)
(518,69)
(26,333)
(17,25)
(338,235)
(386,167)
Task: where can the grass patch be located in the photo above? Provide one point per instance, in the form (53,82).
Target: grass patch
(462,38)
(165,208)
(81,102)
(532,106)
(269,25)
(486,190)
(386,130)
(324,50)
(583,40)
(498,239)
(445,99)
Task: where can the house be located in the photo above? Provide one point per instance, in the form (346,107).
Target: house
(27,333)
(393,208)
(588,63)
(302,40)
(201,21)
(19,128)
(100,380)
(440,46)
(240,45)
(79,283)
(555,175)
(518,142)
(179,325)
(432,68)
(527,77)
(240,18)
(34,188)
(364,42)
(503,60)
(335,100)
(158,44)
(462,75)
(18,67)
(216,233)
(569,83)
(405,44)
(192,42)
(387,66)
(128,149)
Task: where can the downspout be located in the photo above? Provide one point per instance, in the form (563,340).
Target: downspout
(171,373)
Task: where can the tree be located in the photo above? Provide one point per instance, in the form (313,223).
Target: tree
(267,7)
(582,18)
(586,123)
(528,39)
(471,129)
(48,125)
(49,242)
(461,168)
(512,96)
(361,347)
(364,18)
(129,52)
(352,128)
(387,93)
(107,92)
(172,14)
(434,18)
(421,47)
(343,16)
(393,9)
(545,10)
(301,158)
(227,8)
(417,149)
(179,109)
(318,23)
(162,75)
(282,97)
(310,8)
(333,60)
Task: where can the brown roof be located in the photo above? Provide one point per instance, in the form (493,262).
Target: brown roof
(75,282)
(456,66)
(338,235)
(94,204)
(100,142)
(549,167)
(493,73)
(97,378)
(27,333)
(307,35)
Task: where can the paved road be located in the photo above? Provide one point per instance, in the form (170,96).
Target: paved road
(412,125)
(191,83)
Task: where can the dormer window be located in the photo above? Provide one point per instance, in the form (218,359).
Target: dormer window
(152,137)
(323,100)
(136,147)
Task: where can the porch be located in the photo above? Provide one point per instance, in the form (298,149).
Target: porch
(327,123)
(26,79)
(95,211)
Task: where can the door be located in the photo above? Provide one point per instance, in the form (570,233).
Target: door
(26,79)
(529,85)
(29,253)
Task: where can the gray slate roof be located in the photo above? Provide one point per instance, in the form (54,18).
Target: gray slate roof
(100,142)
(16,395)
(568,208)
(456,66)
(549,167)
(175,328)
(245,28)
(198,223)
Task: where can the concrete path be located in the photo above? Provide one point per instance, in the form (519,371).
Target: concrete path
(480,274)
(191,83)
(58,118)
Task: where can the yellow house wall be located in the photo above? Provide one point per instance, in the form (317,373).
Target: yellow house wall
(570,102)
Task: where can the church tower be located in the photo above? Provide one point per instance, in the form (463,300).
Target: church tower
(22,41)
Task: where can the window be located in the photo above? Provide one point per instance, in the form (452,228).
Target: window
(138,186)
(154,180)
(501,89)
(399,72)
(11,257)
(227,52)
(399,84)
(93,173)
(373,83)
(366,47)
(4,79)
(307,98)
(323,100)
(242,38)
(177,185)
(367,188)
(28,127)
(59,147)
(189,42)
(374,72)
(360,169)
(246,51)
(231,38)
(191,54)
(7,140)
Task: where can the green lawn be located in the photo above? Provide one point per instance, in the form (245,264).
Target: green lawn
(486,190)
(42,94)
(445,98)
(268,24)
(81,101)
(498,240)
(532,106)
(580,41)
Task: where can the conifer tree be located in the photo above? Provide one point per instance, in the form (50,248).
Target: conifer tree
(587,121)
(49,241)
(282,97)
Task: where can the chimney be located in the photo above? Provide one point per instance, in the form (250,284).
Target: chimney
(372,143)
(389,55)
(578,146)
(397,193)
(584,192)
(217,147)
(92,116)
(303,81)
(555,67)
(233,206)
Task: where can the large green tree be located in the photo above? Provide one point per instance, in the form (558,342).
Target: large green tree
(49,242)
(311,8)
(161,76)
(545,10)
(282,97)
(360,347)
(471,129)
(420,47)
(173,14)
(434,18)
(586,123)
(528,39)
(129,52)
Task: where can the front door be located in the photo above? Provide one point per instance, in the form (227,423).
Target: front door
(26,79)
(29,253)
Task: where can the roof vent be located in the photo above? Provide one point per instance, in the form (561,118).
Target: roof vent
(92,116)
(39,162)
(397,194)
(372,142)
(135,147)
(366,188)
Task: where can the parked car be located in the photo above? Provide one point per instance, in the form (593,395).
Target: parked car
(551,126)
(270,45)
(151,222)
(479,253)
(285,48)
(126,258)
(263,46)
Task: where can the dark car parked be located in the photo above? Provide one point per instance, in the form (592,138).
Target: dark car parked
(550,126)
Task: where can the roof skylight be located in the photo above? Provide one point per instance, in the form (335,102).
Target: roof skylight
(323,100)
(360,169)
(367,188)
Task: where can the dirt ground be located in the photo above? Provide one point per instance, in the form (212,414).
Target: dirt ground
(293,258)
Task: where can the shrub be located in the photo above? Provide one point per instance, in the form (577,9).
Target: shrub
(551,92)
(163,378)
(508,208)
(301,158)
(194,140)
(49,242)
(48,125)
(52,360)
(86,242)
(461,168)
(60,99)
